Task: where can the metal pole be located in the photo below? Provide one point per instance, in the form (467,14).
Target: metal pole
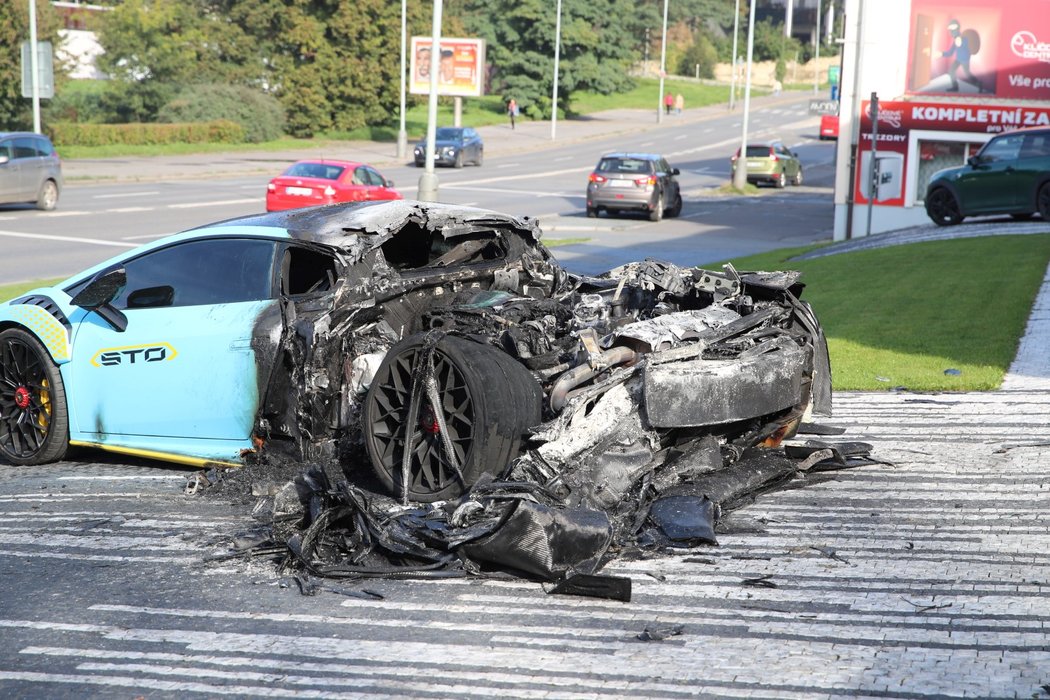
(816,60)
(740,175)
(663,69)
(873,169)
(732,80)
(402,135)
(34,58)
(557,56)
(428,181)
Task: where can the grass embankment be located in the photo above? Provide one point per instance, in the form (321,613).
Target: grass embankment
(477,111)
(900,316)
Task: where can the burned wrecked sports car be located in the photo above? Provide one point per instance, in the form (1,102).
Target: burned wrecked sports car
(441,346)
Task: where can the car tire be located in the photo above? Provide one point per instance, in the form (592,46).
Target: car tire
(592,212)
(943,208)
(47,198)
(459,160)
(781,181)
(488,401)
(676,208)
(1042,201)
(481,157)
(34,423)
(657,212)
(797,180)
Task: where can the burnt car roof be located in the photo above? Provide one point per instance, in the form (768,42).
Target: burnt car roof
(344,225)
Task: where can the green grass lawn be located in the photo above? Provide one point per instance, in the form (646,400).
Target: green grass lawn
(900,316)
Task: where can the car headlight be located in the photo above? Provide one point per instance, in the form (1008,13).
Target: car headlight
(449,150)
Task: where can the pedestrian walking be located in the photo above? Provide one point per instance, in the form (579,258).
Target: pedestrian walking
(512,111)
(679,103)
(668,102)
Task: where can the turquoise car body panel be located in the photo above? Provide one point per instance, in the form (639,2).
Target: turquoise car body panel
(180,380)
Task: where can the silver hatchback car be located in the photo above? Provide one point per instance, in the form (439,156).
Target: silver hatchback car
(642,182)
(30,170)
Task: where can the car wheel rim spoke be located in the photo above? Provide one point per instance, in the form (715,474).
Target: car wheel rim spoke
(25,400)
(431,468)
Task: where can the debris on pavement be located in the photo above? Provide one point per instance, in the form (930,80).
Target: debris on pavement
(453,402)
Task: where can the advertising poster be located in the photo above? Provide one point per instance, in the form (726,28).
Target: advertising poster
(898,119)
(459,63)
(997,48)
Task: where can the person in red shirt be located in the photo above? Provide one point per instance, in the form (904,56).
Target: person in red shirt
(669,102)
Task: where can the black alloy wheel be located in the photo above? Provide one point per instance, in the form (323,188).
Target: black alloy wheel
(34,425)
(460,407)
(943,208)
(676,208)
(1042,202)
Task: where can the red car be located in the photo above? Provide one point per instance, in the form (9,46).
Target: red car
(309,183)
(829,127)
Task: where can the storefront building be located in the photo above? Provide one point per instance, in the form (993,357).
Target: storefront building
(963,71)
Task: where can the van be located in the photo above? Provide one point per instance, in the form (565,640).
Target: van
(30,170)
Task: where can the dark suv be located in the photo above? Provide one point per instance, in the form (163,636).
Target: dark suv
(30,170)
(1010,175)
(642,182)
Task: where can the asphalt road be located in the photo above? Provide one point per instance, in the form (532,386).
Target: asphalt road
(96,221)
(927,578)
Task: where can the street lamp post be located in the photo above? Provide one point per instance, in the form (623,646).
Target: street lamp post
(428,181)
(663,70)
(402,135)
(740,174)
(557,54)
(732,79)
(816,59)
(34,58)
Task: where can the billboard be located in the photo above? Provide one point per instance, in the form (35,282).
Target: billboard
(460,66)
(998,48)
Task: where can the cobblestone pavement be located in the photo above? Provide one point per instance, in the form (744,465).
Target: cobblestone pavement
(924,579)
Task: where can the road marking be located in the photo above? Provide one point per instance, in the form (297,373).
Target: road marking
(558,160)
(127,194)
(708,130)
(128,210)
(693,215)
(147,237)
(647,143)
(508,165)
(680,137)
(497,190)
(224,202)
(70,239)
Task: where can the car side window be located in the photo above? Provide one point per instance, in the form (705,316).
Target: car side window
(1002,148)
(1036,146)
(217,271)
(43,147)
(665,167)
(5,149)
(373,178)
(360,176)
(24,148)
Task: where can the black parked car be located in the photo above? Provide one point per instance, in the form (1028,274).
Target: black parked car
(1010,175)
(643,182)
(453,146)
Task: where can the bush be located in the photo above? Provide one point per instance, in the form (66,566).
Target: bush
(74,134)
(260,115)
(702,52)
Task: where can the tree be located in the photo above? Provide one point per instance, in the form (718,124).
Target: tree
(16,112)
(599,45)
(332,65)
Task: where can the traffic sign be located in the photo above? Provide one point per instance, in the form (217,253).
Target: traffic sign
(833,75)
(45,70)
